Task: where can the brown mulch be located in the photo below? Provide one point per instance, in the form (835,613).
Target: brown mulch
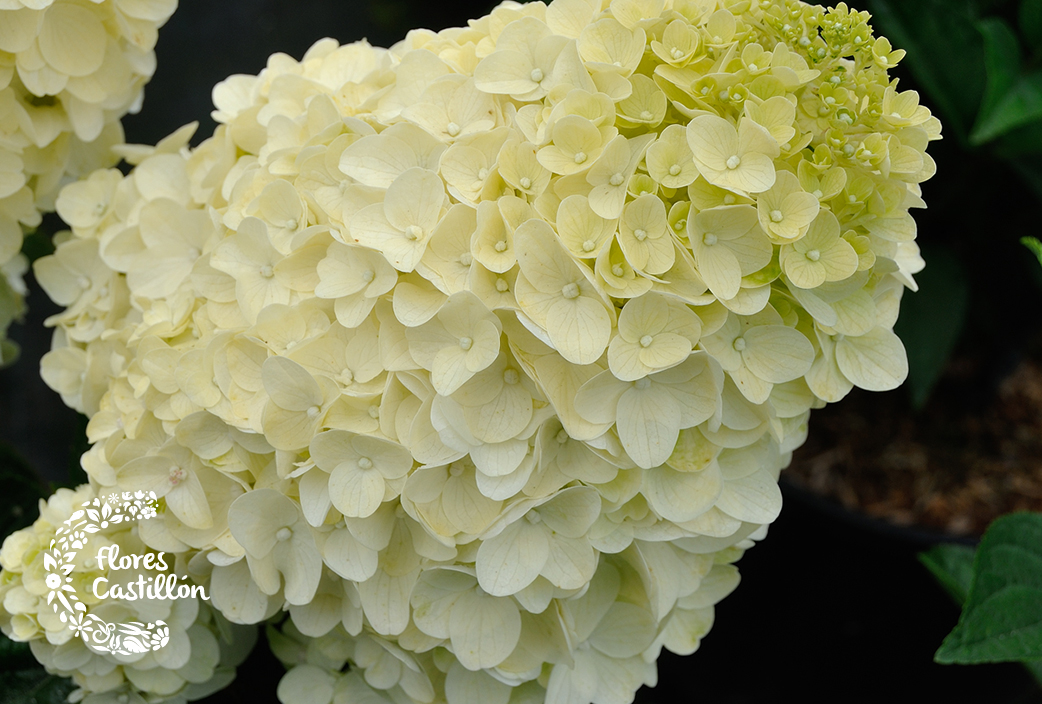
(954,466)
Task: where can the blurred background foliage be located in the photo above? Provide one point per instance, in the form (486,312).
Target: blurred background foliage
(978,65)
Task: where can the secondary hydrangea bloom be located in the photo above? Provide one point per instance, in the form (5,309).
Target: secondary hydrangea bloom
(481,355)
(199,659)
(69,71)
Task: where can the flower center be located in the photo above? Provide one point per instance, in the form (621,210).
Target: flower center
(739,344)
(580,157)
(641,235)
(83,282)
(482,174)
(533,517)
(814,255)
(525,182)
(674,169)
(617,270)
(283,534)
(676,53)
(646,115)
(646,341)
(734,162)
(177,475)
(616,180)
(570,291)
(776,216)
(466,259)
(266,271)
(365,463)
(536,75)
(502,286)
(709,239)
(368,275)
(510,376)
(465,343)
(313,411)
(562,436)
(452,128)
(374,412)
(501,246)
(413,232)
(455,469)
(589,245)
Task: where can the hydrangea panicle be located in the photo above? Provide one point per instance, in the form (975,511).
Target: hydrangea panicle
(483,353)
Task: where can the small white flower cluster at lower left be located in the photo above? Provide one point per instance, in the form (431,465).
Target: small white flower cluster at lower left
(204,648)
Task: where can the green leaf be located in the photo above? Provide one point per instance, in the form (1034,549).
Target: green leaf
(14,654)
(1001,63)
(1010,99)
(1030,24)
(1034,245)
(952,565)
(1020,142)
(931,320)
(1035,668)
(33,686)
(1019,106)
(37,244)
(1002,618)
(22,491)
(945,53)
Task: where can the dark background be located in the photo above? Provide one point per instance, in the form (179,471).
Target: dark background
(831,608)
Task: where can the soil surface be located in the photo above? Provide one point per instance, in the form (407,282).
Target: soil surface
(953,467)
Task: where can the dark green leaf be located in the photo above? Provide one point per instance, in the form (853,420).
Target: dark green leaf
(1019,106)
(14,655)
(1020,142)
(37,244)
(1030,24)
(33,686)
(22,491)
(1002,617)
(1001,63)
(945,53)
(1030,169)
(952,565)
(931,320)
(1035,668)
(1010,99)
(1034,245)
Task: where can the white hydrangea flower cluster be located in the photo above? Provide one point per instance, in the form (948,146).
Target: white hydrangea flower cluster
(199,659)
(609,622)
(482,354)
(69,70)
